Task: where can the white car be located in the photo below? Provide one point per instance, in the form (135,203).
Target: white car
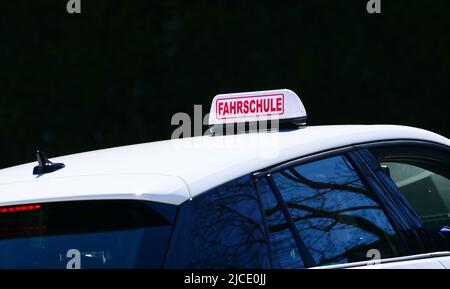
(343,196)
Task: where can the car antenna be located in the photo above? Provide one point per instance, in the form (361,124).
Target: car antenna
(45,166)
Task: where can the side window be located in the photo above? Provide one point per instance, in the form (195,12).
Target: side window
(221,228)
(285,252)
(428,192)
(338,218)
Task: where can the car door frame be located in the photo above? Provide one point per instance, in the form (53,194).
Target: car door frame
(432,155)
(438,149)
(412,255)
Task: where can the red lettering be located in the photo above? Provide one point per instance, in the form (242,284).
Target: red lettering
(232,107)
(239,107)
(220,104)
(245,109)
(259,105)
(225,108)
(279,105)
(267,105)
(252,106)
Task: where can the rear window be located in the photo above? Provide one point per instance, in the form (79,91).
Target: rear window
(85,234)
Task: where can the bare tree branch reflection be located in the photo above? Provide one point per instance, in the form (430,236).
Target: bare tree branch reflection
(228,230)
(338,219)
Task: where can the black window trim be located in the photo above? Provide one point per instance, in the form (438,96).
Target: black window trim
(264,221)
(403,142)
(172,231)
(343,149)
(307,258)
(432,156)
(369,171)
(302,160)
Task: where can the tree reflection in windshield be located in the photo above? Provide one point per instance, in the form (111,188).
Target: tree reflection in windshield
(337,217)
(224,229)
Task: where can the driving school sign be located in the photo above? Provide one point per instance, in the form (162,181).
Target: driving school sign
(250,106)
(256,106)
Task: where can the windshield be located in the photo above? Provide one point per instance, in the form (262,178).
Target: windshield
(85,234)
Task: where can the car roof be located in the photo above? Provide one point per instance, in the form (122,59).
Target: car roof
(174,171)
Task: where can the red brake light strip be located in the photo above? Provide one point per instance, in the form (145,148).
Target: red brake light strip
(19,209)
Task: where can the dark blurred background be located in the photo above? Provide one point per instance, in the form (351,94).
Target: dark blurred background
(116,73)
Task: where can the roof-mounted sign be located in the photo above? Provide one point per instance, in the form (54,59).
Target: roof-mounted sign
(280,104)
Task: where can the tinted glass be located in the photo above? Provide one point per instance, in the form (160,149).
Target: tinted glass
(285,252)
(338,218)
(428,192)
(87,234)
(221,228)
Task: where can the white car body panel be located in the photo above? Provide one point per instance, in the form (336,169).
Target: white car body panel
(415,264)
(435,260)
(173,171)
(445,261)
(93,187)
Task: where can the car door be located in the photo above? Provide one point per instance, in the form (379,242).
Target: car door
(326,210)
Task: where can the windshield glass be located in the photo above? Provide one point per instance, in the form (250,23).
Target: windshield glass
(85,234)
